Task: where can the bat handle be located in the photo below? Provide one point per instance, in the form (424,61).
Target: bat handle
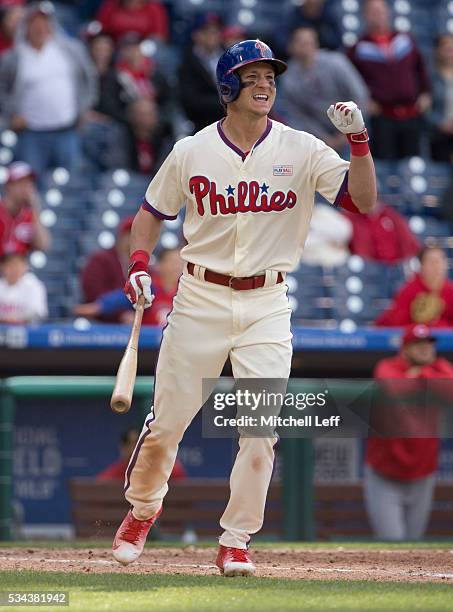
(137,323)
(125,379)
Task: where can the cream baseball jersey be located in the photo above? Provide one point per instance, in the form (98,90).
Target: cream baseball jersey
(246,213)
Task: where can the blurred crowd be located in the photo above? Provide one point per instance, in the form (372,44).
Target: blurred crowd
(103,84)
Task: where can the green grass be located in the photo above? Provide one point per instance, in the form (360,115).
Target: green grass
(120,592)
(135,592)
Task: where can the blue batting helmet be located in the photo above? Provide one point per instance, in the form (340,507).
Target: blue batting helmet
(241,54)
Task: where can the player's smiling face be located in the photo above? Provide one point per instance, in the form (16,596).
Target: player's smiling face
(258,88)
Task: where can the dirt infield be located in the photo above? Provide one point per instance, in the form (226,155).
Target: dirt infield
(334,564)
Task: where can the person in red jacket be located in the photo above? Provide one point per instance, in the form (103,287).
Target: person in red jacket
(20,227)
(400,472)
(117,470)
(427,298)
(382,235)
(147,19)
(393,68)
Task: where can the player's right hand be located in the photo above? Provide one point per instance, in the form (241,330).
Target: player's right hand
(137,284)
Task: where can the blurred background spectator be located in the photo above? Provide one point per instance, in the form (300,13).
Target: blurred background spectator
(399,473)
(314,14)
(111,98)
(427,298)
(315,79)
(328,238)
(105,271)
(47,83)
(11,14)
(394,70)
(146,139)
(165,275)
(117,470)
(144,17)
(23,297)
(197,75)
(111,306)
(441,115)
(21,229)
(382,235)
(137,71)
(154,89)
(233,34)
(114,305)
(101,125)
(446,201)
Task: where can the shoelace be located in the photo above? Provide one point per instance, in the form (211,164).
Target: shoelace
(134,530)
(238,555)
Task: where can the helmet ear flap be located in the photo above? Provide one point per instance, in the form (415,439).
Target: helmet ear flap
(229,88)
(224,91)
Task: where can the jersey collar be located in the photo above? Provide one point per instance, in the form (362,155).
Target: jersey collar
(237,149)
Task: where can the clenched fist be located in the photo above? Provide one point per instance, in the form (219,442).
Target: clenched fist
(346,117)
(139,279)
(137,284)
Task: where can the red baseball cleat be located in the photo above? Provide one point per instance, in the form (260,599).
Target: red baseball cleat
(131,537)
(234,562)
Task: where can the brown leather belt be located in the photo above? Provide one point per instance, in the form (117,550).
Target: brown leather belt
(235,282)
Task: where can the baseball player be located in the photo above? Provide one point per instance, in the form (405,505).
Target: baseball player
(248,184)
(400,473)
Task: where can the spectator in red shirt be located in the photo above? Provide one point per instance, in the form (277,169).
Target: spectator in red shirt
(233,34)
(134,69)
(427,298)
(399,472)
(11,14)
(114,306)
(20,227)
(117,470)
(138,76)
(165,283)
(148,19)
(382,235)
(105,271)
(393,68)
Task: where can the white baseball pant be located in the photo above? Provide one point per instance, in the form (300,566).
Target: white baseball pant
(208,323)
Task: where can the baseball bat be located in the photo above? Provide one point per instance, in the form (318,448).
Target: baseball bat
(127,370)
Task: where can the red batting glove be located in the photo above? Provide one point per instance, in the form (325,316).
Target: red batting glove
(139,279)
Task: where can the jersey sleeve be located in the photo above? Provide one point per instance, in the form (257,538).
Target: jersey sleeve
(330,176)
(164,197)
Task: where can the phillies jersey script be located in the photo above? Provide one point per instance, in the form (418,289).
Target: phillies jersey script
(246,213)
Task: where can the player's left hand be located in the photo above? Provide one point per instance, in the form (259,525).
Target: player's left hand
(346,117)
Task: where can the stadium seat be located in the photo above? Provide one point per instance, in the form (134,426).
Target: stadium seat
(422,184)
